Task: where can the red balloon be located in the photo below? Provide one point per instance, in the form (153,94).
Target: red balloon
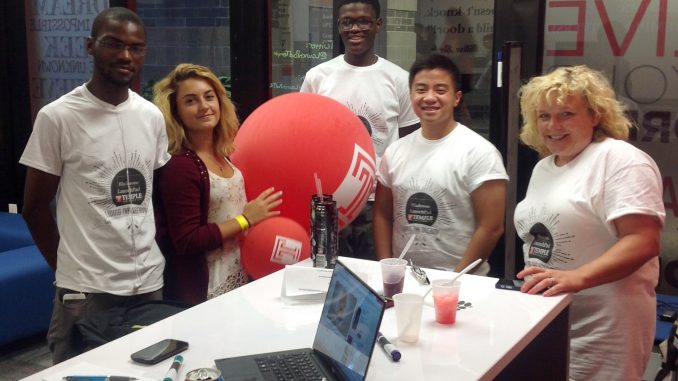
(272,244)
(289,138)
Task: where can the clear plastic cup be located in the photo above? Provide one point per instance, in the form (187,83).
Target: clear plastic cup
(393,275)
(408,316)
(445,299)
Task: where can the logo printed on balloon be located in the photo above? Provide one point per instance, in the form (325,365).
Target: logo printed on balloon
(359,176)
(271,244)
(292,137)
(286,251)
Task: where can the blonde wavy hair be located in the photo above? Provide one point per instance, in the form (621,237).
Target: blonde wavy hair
(554,87)
(165,97)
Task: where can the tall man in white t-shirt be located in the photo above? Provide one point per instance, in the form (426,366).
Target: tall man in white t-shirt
(443,183)
(374,89)
(98,146)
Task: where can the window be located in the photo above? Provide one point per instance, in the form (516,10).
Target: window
(636,44)
(185,31)
(304,35)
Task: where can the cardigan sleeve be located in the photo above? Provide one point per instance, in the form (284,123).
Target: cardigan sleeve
(180,197)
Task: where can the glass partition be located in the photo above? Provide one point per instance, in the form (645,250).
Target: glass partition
(301,38)
(636,45)
(303,35)
(179,31)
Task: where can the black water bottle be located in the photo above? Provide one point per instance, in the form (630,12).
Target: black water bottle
(324,231)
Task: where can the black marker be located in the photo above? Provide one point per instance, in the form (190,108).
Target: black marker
(388,347)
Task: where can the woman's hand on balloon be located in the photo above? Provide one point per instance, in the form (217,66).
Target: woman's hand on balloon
(263,206)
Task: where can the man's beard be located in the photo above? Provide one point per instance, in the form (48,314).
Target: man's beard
(107,73)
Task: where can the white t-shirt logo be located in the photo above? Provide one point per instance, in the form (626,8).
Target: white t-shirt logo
(541,247)
(421,209)
(128,187)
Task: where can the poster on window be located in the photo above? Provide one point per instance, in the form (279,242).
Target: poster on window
(461,30)
(57,60)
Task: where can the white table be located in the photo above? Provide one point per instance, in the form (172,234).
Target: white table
(503,335)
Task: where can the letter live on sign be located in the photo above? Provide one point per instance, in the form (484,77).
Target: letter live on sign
(646,24)
(618,49)
(670,193)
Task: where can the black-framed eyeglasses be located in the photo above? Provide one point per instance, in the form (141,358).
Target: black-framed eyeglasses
(136,50)
(362,23)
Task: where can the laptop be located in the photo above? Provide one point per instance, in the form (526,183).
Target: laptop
(343,343)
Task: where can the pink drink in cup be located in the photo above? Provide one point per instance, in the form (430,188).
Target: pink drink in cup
(446,308)
(445,299)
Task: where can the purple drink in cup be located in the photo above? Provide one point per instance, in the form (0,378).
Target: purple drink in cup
(391,289)
(393,275)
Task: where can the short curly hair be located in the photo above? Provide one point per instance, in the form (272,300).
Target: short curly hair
(557,85)
(373,3)
(117,14)
(165,97)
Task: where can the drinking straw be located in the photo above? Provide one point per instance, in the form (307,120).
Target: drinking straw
(318,185)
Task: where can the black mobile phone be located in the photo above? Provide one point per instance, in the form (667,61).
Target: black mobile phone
(159,351)
(509,284)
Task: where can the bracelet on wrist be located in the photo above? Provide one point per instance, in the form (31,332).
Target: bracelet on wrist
(242,221)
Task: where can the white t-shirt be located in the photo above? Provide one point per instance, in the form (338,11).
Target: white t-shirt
(567,220)
(431,182)
(105,156)
(378,95)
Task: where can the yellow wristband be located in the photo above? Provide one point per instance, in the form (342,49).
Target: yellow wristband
(242,221)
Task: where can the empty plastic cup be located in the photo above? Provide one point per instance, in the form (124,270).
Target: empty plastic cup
(408,316)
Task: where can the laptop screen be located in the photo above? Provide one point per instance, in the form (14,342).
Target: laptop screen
(349,324)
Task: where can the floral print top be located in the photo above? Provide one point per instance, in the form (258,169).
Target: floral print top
(227,200)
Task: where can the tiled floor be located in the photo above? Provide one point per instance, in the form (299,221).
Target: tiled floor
(23,358)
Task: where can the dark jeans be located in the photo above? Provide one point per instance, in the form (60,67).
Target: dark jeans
(356,240)
(60,338)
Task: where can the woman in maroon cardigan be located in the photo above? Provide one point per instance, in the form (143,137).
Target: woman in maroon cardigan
(201,209)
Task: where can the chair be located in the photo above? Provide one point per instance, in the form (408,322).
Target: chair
(669,352)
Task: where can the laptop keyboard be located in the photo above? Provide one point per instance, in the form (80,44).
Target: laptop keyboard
(289,366)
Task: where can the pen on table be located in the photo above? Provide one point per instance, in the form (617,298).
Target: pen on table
(99,378)
(173,371)
(388,347)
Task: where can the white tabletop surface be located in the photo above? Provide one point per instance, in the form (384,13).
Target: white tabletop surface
(255,319)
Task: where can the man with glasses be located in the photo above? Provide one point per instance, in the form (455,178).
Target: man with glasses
(375,89)
(98,146)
